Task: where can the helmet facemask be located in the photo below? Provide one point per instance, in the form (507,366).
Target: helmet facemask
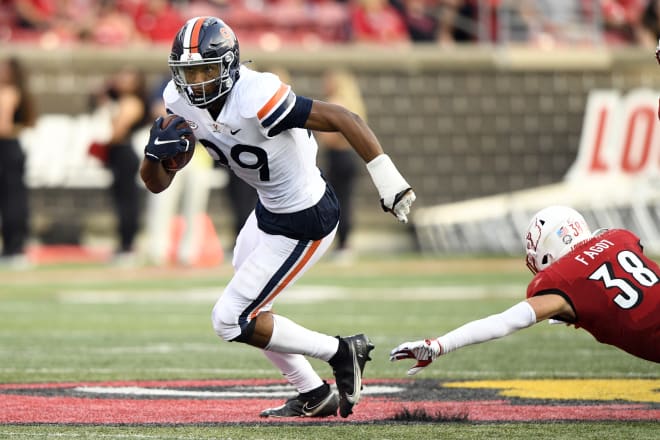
(214,73)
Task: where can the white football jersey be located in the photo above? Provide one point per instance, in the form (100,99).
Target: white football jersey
(282,168)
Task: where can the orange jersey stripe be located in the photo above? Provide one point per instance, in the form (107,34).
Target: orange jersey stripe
(263,111)
(287,280)
(194,36)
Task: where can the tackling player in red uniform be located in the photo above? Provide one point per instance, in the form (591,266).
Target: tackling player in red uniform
(600,282)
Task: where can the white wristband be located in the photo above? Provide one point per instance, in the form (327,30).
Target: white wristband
(387,179)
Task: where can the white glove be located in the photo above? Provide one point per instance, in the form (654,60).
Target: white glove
(424,351)
(396,195)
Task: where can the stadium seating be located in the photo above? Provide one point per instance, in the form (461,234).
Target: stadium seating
(57,151)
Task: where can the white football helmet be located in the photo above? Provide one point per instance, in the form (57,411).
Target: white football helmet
(552,233)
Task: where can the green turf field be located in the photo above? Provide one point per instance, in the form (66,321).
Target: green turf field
(90,323)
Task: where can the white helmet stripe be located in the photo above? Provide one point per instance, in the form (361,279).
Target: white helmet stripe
(191,37)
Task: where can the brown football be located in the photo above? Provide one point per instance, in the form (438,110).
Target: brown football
(180,160)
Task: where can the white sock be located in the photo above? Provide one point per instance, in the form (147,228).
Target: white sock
(296,369)
(289,337)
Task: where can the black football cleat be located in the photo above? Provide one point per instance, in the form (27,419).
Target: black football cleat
(320,402)
(348,366)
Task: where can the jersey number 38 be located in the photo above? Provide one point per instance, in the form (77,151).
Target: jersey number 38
(630,295)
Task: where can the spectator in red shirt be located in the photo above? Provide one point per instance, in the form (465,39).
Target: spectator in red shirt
(62,21)
(622,20)
(112,27)
(158,20)
(35,14)
(420,19)
(376,21)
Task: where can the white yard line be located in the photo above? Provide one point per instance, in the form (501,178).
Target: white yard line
(274,391)
(261,373)
(300,294)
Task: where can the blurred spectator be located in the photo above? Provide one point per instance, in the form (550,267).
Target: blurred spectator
(35,14)
(188,195)
(443,21)
(540,22)
(290,16)
(341,162)
(157,20)
(479,21)
(651,22)
(16,111)
(622,21)
(198,8)
(125,94)
(376,21)
(112,26)
(420,18)
(532,21)
(57,21)
(566,22)
(449,13)
(332,20)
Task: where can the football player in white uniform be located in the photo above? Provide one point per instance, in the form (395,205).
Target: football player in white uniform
(255,125)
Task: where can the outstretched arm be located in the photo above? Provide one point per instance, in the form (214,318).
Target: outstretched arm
(396,194)
(520,316)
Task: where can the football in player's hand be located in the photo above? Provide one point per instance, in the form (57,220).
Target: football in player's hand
(180,160)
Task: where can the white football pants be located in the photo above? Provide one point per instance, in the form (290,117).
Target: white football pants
(265,265)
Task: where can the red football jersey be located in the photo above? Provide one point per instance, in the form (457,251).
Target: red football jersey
(613,288)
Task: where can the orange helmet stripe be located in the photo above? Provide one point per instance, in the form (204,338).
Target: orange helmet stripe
(194,35)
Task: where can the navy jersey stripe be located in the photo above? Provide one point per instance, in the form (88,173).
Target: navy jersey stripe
(274,281)
(296,118)
(286,104)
